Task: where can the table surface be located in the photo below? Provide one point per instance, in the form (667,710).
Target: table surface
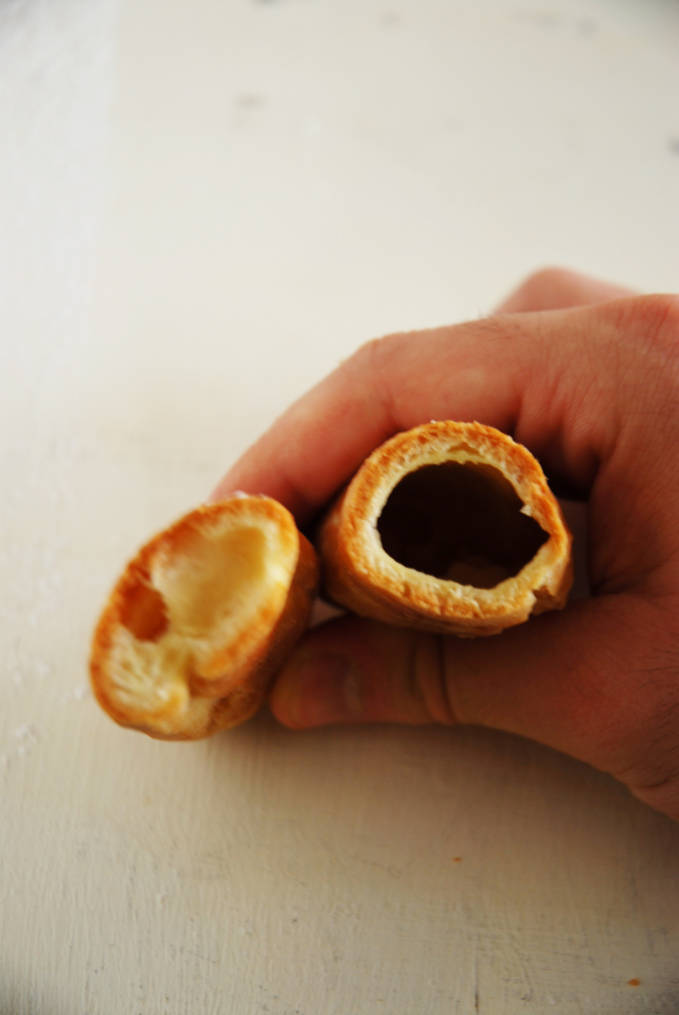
(204,206)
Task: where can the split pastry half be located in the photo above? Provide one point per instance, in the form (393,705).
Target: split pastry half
(450,528)
(202,618)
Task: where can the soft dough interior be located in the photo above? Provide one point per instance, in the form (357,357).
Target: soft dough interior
(217,578)
(198,598)
(461,522)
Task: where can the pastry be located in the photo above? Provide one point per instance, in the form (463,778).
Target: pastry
(201,619)
(450,528)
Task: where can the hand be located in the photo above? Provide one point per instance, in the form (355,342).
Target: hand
(587,377)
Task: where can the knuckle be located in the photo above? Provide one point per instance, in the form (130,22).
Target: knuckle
(367,350)
(378,361)
(369,359)
(656,319)
(376,352)
(639,338)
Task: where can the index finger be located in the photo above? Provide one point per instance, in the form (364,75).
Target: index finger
(540,376)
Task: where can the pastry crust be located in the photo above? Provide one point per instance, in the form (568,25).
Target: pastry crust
(202,618)
(484,598)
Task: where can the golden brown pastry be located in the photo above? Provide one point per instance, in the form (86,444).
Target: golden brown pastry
(201,619)
(449,527)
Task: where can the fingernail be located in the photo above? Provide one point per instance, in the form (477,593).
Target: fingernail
(325,689)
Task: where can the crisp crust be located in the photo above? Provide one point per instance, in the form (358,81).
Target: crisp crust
(359,575)
(225,682)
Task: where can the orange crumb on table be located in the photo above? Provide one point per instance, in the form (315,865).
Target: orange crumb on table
(634,982)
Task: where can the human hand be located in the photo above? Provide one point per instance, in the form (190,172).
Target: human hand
(587,377)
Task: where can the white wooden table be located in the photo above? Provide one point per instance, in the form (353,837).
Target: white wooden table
(204,205)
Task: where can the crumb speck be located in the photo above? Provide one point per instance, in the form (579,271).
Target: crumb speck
(25,734)
(634,982)
(78,693)
(457,859)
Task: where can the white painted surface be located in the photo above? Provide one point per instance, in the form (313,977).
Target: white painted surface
(204,207)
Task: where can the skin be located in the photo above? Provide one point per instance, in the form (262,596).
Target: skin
(586,375)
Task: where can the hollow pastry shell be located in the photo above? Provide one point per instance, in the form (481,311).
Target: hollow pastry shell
(359,575)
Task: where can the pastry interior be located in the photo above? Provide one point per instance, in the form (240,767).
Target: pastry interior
(220,587)
(461,522)
(206,588)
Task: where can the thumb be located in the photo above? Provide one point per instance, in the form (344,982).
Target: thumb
(351,670)
(577,681)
